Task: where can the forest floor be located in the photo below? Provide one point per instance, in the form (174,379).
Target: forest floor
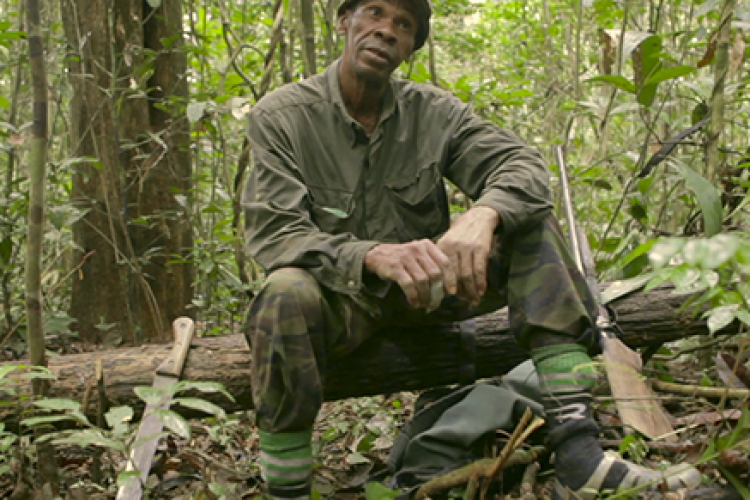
(353,438)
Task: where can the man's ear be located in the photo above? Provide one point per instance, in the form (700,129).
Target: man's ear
(342,25)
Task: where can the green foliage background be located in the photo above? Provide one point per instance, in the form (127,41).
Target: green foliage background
(554,71)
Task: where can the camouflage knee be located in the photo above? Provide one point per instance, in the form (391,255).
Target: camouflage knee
(284,332)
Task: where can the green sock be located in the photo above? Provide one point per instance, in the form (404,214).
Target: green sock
(286,463)
(564,369)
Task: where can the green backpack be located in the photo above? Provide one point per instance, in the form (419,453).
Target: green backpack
(451,426)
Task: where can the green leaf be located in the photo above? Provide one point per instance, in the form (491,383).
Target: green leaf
(376,491)
(58,404)
(118,418)
(201,405)
(620,288)
(91,437)
(208,387)
(4,103)
(34,421)
(174,422)
(155,4)
(707,196)
(719,250)
(5,370)
(670,74)
(195,111)
(694,251)
(125,478)
(742,490)
(650,64)
(663,251)
(150,395)
(618,81)
(720,317)
(743,316)
(38,373)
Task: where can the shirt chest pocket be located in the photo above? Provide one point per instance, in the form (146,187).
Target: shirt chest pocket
(420,203)
(332,210)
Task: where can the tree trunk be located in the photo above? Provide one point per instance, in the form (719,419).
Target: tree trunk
(37,173)
(307,23)
(135,240)
(714,162)
(397,360)
(99,295)
(160,193)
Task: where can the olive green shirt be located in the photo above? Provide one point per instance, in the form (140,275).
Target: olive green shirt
(322,192)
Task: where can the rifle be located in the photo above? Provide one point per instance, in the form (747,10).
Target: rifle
(637,406)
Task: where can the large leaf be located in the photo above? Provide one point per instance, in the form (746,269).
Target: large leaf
(208,387)
(150,395)
(646,64)
(50,419)
(91,437)
(618,81)
(118,419)
(376,491)
(195,111)
(58,404)
(707,195)
(670,74)
(174,422)
(720,317)
(201,405)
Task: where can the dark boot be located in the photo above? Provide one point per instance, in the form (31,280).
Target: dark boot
(582,469)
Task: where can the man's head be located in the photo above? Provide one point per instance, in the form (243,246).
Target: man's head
(381,34)
(419,8)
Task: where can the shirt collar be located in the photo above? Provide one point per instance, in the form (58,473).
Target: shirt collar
(334,89)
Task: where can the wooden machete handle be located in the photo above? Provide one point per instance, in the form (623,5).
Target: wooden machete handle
(183,328)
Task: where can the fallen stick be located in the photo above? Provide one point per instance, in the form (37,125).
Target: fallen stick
(697,390)
(479,468)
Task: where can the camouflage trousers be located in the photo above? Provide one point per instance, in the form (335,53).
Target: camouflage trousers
(295,327)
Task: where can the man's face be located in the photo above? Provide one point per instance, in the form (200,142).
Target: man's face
(379,36)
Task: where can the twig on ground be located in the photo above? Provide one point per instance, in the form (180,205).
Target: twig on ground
(479,468)
(528,482)
(471,488)
(697,390)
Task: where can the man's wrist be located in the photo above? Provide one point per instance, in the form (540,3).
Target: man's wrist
(488,214)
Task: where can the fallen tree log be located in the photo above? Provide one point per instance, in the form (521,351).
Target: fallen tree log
(397,360)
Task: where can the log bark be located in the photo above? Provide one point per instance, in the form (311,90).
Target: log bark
(396,360)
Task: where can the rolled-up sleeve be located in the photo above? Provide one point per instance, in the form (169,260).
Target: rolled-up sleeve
(279,230)
(494,168)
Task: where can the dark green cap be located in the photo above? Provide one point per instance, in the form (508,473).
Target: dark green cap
(420,8)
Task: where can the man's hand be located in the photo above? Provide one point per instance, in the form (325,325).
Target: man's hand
(467,244)
(417,267)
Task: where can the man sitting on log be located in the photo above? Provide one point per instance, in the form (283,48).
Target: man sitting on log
(347,211)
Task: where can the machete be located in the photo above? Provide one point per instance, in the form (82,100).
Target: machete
(637,406)
(167,373)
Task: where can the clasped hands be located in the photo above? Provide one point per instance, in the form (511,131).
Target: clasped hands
(455,265)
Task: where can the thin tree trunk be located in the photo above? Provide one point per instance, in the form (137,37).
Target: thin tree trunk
(721,69)
(307,18)
(431,53)
(7,225)
(37,170)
